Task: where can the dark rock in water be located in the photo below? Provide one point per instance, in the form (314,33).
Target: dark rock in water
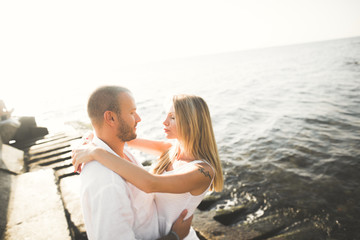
(207,228)
(24,130)
(209,201)
(36,132)
(227,216)
(29,130)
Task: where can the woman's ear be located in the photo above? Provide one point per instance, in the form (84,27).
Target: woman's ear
(109,118)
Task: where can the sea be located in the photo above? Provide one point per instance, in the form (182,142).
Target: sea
(286,121)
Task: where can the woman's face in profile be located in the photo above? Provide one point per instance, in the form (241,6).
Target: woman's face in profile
(170,124)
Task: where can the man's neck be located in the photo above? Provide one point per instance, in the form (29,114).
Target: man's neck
(114,143)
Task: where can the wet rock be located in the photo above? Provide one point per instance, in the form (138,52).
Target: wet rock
(209,201)
(208,228)
(229,216)
(302,231)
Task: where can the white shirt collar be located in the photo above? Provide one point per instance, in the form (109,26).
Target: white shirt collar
(98,142)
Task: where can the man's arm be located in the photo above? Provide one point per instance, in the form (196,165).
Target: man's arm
(180,228)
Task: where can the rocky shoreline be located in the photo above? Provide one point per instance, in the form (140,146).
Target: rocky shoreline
(40,197)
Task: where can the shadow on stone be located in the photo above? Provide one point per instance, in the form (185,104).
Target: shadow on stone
(5,188)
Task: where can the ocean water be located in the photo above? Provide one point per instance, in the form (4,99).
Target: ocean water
(286,120)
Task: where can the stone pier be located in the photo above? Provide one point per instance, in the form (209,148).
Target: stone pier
(39,190)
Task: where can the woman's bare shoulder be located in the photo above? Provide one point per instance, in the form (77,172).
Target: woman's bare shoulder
(205,169)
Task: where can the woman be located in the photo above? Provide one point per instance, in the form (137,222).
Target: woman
(185,170)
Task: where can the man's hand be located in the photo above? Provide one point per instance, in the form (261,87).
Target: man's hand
(181,227)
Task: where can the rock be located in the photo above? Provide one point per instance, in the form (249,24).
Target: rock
(35,210)
(208,228)
(304,232)
(24,132)
(229,216)
(209,201)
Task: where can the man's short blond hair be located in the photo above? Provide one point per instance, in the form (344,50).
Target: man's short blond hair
(104,99)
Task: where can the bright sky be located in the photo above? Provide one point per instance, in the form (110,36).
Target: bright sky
(48,44)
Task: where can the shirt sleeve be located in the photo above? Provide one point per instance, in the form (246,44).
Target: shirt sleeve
(111,214)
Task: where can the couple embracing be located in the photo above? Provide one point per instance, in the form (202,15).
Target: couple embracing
(120,199)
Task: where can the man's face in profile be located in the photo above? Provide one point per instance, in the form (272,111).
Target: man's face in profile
(128,118)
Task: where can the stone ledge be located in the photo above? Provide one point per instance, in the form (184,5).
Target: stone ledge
(35,210)
(70,192)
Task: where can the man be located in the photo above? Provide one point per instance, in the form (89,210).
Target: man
(113,208)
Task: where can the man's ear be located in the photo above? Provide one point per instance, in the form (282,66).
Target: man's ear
(109,118)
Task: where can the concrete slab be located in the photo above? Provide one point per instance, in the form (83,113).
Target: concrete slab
(51,160)
(35,209)
(50,142)
(59,165)
(51,154)
(65,172)
(70,191)
(11,159)
(48,149)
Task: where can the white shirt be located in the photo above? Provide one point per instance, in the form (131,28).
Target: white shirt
(112,208)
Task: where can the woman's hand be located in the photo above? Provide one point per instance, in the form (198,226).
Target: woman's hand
(87,138)
(82,155)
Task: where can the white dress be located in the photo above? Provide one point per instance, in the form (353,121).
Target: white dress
(170,205)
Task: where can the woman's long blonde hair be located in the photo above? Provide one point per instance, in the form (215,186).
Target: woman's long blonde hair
(196,135)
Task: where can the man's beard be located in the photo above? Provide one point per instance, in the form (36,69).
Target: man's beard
(125,132)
